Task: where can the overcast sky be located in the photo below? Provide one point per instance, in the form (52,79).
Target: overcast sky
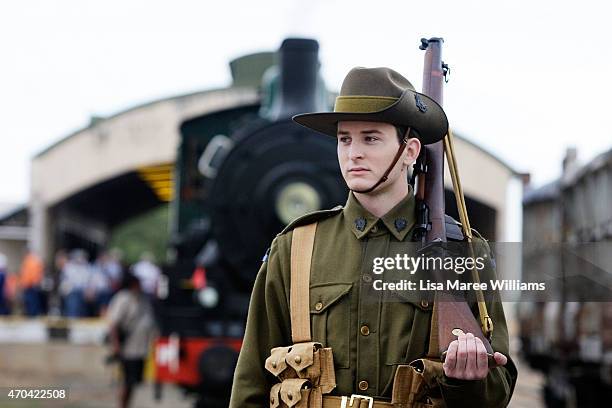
(528,79)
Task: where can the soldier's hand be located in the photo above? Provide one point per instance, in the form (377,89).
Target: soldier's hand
(466,358)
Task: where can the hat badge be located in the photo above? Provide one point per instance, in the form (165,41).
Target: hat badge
(419,104)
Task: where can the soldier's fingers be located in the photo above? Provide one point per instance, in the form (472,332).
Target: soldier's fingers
(500,359)
(482,361)
(451,358)
(470,362)
(461,353)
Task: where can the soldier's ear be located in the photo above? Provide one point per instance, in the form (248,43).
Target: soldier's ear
(413,148)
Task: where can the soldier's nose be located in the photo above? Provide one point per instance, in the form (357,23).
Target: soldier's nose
(355,154)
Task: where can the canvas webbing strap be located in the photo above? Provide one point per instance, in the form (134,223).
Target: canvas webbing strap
(302,245)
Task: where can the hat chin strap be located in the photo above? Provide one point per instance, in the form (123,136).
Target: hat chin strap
(400,150)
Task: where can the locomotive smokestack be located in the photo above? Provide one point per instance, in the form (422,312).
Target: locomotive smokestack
(300,88)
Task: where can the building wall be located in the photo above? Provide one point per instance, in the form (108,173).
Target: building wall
(14,250)
(486,179)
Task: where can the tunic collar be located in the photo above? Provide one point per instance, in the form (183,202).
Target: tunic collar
(399,220)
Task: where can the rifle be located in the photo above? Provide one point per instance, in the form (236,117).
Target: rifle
(451,314)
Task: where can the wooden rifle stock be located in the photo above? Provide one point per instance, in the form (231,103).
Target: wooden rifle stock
(451,315)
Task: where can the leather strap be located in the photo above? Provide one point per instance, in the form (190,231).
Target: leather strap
(302,244)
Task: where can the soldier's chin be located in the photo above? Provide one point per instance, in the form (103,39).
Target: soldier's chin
(359,184)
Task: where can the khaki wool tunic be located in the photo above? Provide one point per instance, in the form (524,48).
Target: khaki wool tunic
(369,336)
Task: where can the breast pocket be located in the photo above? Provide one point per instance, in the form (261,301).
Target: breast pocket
(330,312)
(405,329)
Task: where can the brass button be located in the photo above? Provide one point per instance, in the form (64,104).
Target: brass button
(365,330)
(318,306)
(424,303)
(374,229)
(290,396)
(274,364)
(367,278)
(297,359)
(363,385)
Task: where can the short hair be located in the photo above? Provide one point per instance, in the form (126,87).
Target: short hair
(401,131)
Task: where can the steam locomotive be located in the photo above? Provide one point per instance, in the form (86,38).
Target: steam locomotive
(242,174)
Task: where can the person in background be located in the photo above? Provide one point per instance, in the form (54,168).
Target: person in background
(4,310)
(55,298)
(101,283)
(114,268)
(148,273)
(30,279)
(11,287)
(75,277)
(131,328)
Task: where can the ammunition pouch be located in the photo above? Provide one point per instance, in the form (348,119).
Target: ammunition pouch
(416,385)
(306,372)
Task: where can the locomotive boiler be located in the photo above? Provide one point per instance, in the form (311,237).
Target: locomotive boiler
(242,174)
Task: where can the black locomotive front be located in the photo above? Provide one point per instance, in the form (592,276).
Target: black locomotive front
(242,175)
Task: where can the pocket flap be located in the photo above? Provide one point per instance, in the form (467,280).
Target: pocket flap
(291,390)
(301,355)
(323,296)
(276,362)
(430,370)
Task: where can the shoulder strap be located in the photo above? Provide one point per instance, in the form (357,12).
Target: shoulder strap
(302,244)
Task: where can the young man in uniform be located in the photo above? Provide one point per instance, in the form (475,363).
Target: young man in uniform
(369,337)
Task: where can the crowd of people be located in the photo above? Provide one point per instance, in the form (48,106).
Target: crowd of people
(74,286)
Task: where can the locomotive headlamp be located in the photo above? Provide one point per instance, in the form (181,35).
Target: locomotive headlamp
(296,199)
(208,297)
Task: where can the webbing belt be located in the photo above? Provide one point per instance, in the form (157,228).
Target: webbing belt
(356,400)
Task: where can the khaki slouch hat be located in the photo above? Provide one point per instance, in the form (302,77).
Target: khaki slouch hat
(380,95)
